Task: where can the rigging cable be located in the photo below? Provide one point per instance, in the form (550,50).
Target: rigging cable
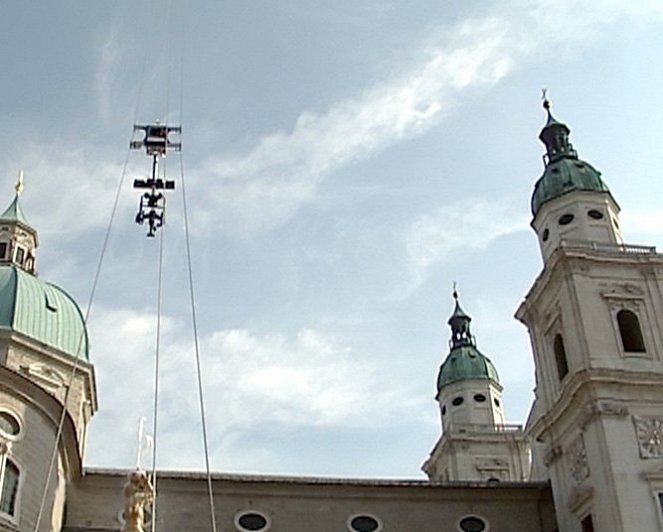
(194,323)
(88,310)
(156,381)
(74,368)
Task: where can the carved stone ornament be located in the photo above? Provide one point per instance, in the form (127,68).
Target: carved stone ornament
(578,455)
(491,464)
(649,433)
(603,409)
(552,454)
(622,291)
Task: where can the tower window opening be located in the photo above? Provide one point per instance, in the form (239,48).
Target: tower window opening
(629,330)
(3,250)
(546,234)
(20,255)
(587,523)
(595,214)
(444,409)
(457,401)
(9,479)
(479,398)
(560,357)
(10,427)
(565,219)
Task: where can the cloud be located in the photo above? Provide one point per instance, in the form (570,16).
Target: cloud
(105,75)
(460,228)
(269,183)
(304,380)
(281,172)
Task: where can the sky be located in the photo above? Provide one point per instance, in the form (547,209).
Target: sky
(344,164)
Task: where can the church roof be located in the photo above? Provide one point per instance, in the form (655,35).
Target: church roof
(41,311)
(465,361)
(14,213)
(564,171)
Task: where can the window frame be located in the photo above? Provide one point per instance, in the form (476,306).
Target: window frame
(475,515)
(4,458)
(245,511)
(354,516)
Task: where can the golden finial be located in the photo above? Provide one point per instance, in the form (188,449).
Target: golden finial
(18,187)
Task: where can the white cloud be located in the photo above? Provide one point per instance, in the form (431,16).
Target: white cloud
(308,379)
(459,228)
(105,76)
(268,184)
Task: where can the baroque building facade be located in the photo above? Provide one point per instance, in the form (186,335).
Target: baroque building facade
(590,456)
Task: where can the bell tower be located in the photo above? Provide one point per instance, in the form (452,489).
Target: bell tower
(594,317)
(476,443)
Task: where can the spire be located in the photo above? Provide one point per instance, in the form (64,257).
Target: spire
(555,135)
(460,325)
(14,213)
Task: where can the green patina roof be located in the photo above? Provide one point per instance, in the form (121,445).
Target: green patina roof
(41,311)
(564,172)
(465,363)
(14,213)
(563,176)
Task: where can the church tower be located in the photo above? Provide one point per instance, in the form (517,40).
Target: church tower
(476,444)
(595,319)
(47,385)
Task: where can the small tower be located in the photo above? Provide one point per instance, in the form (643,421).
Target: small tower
(18,240)
(594,320)
(476,444)
(43,364)
(570,203)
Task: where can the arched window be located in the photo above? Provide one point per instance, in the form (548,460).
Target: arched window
(629,329)
(560,357)
(9,491)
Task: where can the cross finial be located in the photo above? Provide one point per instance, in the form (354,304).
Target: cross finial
(544,98)
(455,292)
(18,187)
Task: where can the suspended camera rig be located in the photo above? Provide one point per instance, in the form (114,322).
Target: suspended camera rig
(155,139)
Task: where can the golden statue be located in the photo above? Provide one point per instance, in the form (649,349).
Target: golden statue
(138,495)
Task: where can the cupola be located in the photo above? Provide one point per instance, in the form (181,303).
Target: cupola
(571,204)
(468,387)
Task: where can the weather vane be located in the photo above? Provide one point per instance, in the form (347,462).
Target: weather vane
(544,99)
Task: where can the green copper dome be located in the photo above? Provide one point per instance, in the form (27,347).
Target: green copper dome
(563,176)
(465,361)
(41,311)
(564,172)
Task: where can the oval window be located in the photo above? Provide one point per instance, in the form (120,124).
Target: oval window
(252,522)
(593,213)
(546,234)
(444,409)
(565,219)
(472,524)
(364,523)
(457,401)
(9,424)
(479,398)
(497,403)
